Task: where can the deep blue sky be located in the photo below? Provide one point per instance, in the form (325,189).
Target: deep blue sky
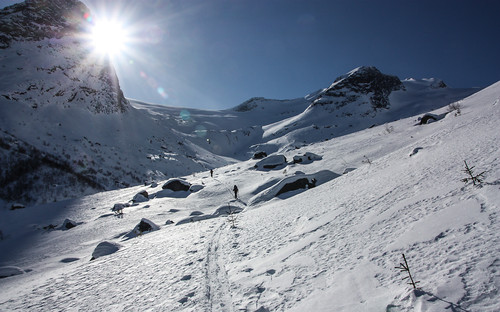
(218,53)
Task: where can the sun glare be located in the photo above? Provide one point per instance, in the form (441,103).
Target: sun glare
(109,38)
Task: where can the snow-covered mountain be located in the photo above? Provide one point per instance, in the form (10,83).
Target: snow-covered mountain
(66,129)
(357,174)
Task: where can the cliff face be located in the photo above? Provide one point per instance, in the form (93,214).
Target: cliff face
(45,47)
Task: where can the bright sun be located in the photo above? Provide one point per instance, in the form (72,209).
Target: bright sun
(109,38)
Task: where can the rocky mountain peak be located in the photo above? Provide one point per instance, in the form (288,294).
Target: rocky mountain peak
(39,19)
(365,80)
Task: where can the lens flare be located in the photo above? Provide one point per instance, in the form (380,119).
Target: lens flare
(87,17)
(185,115)
(162,92)
(201,132)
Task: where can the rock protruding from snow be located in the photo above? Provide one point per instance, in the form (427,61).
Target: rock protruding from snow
(16,206)
(361,81)
(296,184)
(105,248)
(143,227)
(271,162)
(141,197)
(428,118)
(68,224)
(259,155)
(176,185)
(307,158)
(7,271)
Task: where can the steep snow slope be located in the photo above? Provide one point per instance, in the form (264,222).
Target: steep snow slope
(329,248)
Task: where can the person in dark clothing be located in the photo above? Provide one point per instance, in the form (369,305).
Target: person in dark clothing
(211,173)
(235,190)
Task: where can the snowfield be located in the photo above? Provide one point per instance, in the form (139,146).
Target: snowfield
(331,247)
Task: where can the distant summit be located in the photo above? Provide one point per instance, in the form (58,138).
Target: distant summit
(365,80)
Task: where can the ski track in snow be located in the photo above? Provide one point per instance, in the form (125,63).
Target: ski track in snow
(218,290)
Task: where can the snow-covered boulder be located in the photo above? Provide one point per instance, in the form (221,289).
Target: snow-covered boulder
(143,227)
(296,182)
(68,224)
(221,211)
(196,187)
(347,170)
(105,248)
(307,158)
(7,271)
(271,162)
(141,197)
(176,185)
(428,118)
(227,210)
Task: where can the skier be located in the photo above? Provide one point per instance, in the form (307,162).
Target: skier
(235,190)
(211,173)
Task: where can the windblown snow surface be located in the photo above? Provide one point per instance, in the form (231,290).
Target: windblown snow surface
(332,247)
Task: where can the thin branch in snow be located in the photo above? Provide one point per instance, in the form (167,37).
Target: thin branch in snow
(404,267)
(476,179)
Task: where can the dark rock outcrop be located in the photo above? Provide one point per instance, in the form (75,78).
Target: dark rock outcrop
(303,183)
(361,81)
(259,155)
(176,185)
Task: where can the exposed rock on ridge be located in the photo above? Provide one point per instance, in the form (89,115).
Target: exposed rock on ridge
(361,81)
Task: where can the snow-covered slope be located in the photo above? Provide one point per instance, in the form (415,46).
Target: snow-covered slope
(331,244)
